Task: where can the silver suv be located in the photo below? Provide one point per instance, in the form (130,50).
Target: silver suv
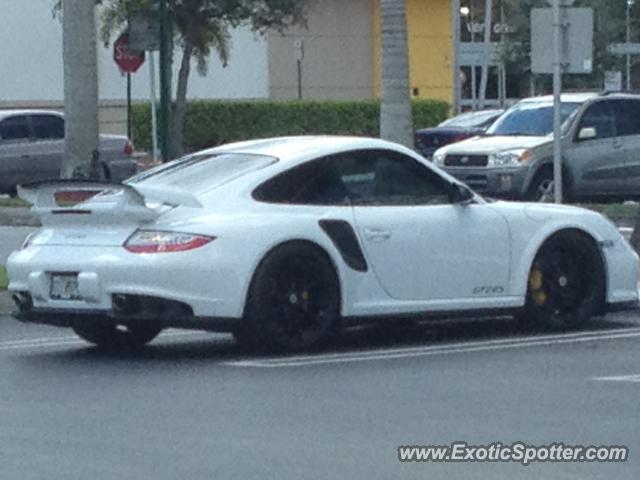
(32,147)
(514,158)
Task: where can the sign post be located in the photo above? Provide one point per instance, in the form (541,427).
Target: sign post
(298,51)
(144,34)
(627,49)
(128,62)
(568,33)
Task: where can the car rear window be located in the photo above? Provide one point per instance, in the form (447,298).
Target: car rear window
(199,173)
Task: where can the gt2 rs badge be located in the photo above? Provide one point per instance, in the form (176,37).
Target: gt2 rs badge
(491,290)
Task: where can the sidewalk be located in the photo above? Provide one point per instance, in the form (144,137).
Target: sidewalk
(6,304)
(18,217)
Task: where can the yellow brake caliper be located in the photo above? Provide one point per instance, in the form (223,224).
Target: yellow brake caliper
(538,294)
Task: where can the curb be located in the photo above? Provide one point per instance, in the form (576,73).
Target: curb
(18,217)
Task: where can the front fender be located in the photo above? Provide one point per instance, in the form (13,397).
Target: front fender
(522,264)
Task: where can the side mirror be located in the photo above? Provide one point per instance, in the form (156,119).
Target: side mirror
(587,133)
(460,194)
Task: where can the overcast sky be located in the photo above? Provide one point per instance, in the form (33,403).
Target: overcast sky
(31,61)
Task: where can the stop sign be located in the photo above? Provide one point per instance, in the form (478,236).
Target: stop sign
(128,61)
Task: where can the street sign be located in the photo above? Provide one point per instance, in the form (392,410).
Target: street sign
(612,81)
(563,3)
(128,61)
(577,45)
(144,31)
(624,48)
(298,50)
(472,53)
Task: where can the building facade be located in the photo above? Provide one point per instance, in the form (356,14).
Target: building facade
(341,51)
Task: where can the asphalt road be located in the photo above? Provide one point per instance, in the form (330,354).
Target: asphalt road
(192,407)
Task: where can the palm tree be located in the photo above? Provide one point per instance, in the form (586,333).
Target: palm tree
(80,89)
(395,106)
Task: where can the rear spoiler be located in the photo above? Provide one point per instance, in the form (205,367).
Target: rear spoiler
(82,197)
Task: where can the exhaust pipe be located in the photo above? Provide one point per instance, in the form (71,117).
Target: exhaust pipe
(127,304)
(23,301)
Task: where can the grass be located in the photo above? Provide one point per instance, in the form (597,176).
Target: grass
(615,210)
(12,202)
(4,281)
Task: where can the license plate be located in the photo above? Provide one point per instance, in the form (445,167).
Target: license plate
(64,286)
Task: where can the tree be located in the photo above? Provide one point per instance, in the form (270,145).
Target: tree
(200,27)
(395,106)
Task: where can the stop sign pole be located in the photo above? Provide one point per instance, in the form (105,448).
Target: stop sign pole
(128,62)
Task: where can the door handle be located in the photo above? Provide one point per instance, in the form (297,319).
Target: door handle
(377,234)
(617,143)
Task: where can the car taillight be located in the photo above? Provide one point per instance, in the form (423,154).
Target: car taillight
(128,148)
(158,241)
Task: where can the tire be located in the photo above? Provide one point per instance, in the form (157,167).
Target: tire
(566,284)
(114,337)
(542,188)
(293,302)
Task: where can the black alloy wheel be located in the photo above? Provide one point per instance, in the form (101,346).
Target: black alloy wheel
(293,302)
(566,282)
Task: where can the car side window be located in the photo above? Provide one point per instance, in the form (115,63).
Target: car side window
(14,129)
(363,177)
(314,183)
(385,177)
(600,117)
(47,127)
(627,115)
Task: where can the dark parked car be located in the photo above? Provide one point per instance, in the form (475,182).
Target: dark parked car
(454,129)
(32,147)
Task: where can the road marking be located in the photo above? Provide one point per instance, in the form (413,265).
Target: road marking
(620,378)
(48,342)
(462,347)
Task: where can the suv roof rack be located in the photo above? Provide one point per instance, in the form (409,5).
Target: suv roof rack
(604,93)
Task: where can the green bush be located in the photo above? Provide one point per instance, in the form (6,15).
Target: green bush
(211,123)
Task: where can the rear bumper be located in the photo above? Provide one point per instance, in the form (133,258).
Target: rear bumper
(159,312)
(206,281)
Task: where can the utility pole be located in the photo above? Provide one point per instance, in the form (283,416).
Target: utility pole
(628,40)
(484,71)
(557,89)
(81,155)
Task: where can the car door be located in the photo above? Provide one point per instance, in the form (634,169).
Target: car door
(597,163)
(48,148)
(627,114)
(16,149)
(420,245)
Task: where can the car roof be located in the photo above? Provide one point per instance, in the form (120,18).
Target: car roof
(292,148)
(4,113)
(579,97)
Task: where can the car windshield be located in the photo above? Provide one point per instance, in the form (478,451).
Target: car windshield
(530,118)
(202,172)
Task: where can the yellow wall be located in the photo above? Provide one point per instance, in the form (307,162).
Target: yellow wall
(430,48)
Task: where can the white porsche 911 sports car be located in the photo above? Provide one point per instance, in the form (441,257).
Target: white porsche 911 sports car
(282,241)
